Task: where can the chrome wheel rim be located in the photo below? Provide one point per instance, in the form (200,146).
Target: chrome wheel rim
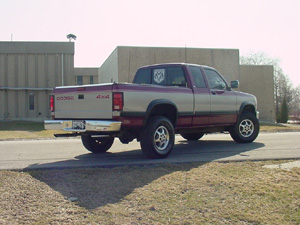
(246,128)
(161,138)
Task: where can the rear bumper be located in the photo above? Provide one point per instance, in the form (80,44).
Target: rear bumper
(89,125)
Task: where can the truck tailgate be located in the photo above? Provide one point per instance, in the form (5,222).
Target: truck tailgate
(83,102)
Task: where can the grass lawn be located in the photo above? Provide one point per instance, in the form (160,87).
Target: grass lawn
(212,193)
(35,130)
(24,130)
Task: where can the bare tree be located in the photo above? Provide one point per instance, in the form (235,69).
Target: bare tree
(259,58)
(295,104)
(282,85)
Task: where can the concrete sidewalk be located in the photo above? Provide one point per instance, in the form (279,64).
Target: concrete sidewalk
(284,166)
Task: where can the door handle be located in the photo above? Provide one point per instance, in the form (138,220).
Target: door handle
(214,92)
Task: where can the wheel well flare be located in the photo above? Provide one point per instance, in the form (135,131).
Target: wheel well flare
(167,110)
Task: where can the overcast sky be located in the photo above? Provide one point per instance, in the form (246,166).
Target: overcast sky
(270,26)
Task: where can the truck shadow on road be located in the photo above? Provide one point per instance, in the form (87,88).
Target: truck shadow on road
(98,180)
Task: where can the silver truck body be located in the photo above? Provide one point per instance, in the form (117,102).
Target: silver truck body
(193,98)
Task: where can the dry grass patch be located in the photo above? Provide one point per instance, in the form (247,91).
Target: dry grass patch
(212,193)
(25,130)
(272,127)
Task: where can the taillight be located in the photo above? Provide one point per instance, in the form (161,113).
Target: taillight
(52,103)
(118,101)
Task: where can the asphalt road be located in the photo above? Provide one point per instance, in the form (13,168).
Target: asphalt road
(66,153)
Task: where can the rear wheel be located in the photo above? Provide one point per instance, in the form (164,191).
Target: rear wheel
(192,136)
(96,144)
(157,138)
(246,129)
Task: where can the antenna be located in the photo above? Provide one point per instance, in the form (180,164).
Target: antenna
(11,37)
(129,67)
(185,55)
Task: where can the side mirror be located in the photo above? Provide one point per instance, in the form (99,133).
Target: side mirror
(234,84)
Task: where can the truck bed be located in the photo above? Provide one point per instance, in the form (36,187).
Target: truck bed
(83,102)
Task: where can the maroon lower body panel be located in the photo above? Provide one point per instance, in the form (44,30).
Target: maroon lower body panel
(222,119)
(135,122)
(130,122)
(182,121)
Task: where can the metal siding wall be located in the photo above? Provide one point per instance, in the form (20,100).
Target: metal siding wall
(51,70)
(11,104)
(21,68)
(11,82)
(2,104)
(21,104)
(58,77)
(41,71)
(47,107)
(69,68)
(31,71)
(2,83)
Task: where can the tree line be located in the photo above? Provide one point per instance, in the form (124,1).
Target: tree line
(286,97)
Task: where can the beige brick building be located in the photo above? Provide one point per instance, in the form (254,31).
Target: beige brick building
(29,71)
(85,76)
(123,62)
(259,81)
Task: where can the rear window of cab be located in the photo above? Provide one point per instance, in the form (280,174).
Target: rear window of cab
(166,76)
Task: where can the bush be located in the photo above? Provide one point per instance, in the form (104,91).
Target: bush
(284,113)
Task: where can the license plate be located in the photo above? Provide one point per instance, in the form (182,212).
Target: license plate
(78,124)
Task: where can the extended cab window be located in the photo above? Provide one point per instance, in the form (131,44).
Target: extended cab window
(166,76)
(143,77)
(176,77)
(198,77)
(169,76)
(215,81)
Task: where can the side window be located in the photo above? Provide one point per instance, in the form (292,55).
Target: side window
(215,81)
(198,77)
(143,77)
(169,76)
(176,77)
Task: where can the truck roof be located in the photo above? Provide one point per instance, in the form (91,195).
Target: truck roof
(175,64)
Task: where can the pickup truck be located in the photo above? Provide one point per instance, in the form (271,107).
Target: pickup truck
(163,100)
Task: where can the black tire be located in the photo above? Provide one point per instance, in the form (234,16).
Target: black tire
(96,144)
(157,138)
(192,136)
(246,129)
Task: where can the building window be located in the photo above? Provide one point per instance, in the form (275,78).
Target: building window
(91,79)
(31,101)
(79,80)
